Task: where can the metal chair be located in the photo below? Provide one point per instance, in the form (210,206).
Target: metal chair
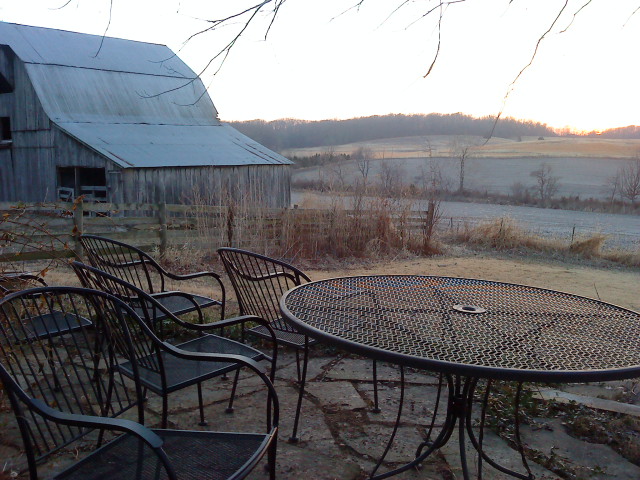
(163,373)
(259,282)
(65,400)
(48,324)
(14,281)
(138,268)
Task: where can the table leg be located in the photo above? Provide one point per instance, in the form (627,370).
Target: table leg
(459,412)
(477,441)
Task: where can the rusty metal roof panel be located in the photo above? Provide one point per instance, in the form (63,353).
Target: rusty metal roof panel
(157,146)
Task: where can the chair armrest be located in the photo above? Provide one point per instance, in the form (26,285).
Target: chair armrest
(170,315)
(90,421)
(190,276)
(228,322)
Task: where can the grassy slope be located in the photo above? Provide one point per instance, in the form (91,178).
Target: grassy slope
(440,145)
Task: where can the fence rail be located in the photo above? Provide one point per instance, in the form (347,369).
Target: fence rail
(44,231)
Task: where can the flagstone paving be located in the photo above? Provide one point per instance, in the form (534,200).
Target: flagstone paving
(341,437)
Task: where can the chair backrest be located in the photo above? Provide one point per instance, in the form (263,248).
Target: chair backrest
(133,337)
(56,347)
(144,305)
(124,261)
(19,281)
(259,283)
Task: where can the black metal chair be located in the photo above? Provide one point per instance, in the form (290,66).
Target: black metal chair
(48,324)
(65,400)
(259,282)
(14,281)
(163,373)
(139,269)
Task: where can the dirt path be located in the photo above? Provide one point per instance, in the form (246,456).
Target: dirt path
(620,287)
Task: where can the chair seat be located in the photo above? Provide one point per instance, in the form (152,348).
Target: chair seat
(52,325)
(192,454)
(179,304)
(290,338)
(181,373)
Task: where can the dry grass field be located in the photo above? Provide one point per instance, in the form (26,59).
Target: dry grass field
(586,278)
(441,145)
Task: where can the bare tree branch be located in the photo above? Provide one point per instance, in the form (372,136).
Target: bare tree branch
(106,29)
(533,56)
(435,57)
(575,15)
(62,6)
(224,52)
(630,16)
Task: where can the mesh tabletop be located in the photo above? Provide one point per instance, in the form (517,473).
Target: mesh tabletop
(470,327)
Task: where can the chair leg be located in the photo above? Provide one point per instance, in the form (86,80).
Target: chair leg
(272,459)
(303,379)
(203,422)
(376,408)
(233,392)
(298,364)
(165,411)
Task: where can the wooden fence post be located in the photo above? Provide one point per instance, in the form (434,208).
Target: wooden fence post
(162,218)
(78,227)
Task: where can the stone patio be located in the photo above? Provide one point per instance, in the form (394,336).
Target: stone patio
(340,436)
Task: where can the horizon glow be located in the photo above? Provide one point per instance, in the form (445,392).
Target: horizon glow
(317,64)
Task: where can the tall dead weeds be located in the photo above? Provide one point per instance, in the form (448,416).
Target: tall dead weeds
(505,234)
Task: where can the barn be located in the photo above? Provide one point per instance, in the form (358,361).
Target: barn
(119,121)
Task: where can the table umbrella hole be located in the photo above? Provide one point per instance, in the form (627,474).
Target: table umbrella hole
(469,309)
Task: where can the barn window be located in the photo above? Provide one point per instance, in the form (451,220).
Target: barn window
(76,181)
(5,129)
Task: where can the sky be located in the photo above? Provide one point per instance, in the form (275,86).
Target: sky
(324,60)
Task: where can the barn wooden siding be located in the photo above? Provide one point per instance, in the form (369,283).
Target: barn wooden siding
(28,168)
(268,185)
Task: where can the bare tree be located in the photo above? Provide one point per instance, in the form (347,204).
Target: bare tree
(337,175)
(428,148)
(630,180)
(520,192)
(613,187)
(462,150)
(390,178)
(546,182)
(433,184)
(330,153)
(363,157)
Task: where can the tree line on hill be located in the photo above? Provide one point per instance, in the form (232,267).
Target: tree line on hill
(292,133)
(623,133)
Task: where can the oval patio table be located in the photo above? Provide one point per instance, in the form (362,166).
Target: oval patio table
(469,329)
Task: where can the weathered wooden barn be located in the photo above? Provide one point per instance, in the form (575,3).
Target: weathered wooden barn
(119,121)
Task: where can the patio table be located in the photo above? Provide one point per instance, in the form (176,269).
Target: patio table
(469,330)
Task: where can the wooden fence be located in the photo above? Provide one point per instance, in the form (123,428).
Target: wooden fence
(44,231)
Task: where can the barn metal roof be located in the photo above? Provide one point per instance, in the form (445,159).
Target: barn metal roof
(173,145)
(137,103)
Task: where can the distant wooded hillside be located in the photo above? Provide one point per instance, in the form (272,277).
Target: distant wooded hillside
(291,133)
(623,133)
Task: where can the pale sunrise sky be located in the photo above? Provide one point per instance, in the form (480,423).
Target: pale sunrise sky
(318,64)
